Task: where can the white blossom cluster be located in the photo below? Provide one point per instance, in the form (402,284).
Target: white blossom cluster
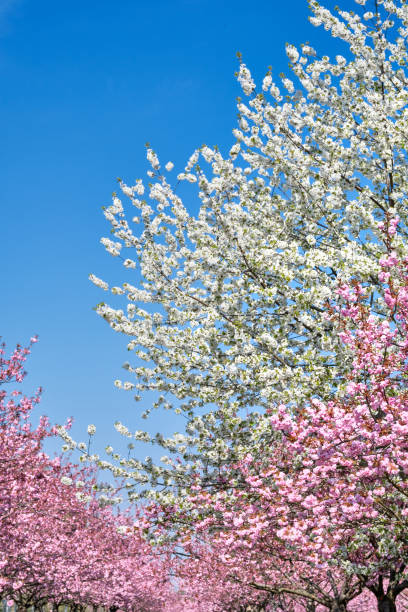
(236,294)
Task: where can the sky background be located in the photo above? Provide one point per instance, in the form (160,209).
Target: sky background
(84,84)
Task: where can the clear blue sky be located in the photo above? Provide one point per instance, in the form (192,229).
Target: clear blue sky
(83,86)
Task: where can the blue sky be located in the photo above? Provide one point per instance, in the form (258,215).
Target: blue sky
(84,86)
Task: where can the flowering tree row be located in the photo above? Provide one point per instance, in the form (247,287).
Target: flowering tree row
(276,323)
(57,544)
(317,522)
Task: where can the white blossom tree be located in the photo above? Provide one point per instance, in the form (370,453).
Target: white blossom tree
(236,293)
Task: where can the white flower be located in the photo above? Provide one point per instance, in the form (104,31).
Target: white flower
(169,166)
(307,50)
(66,481)
(113,248)
(292,53)
(235,149)
(91,430)
(288,84)
(207,153)
(245,80)
(83,498)
(139,187)
(192,161)
(129,263)
(266,83)
(98,282)
(153,159)
(127,190)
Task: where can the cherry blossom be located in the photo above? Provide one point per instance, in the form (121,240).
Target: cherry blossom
(58,544)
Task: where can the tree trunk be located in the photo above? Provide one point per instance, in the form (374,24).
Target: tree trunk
(386,604)
(338,606)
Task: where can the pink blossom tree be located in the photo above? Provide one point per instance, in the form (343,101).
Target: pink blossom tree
(58,545)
